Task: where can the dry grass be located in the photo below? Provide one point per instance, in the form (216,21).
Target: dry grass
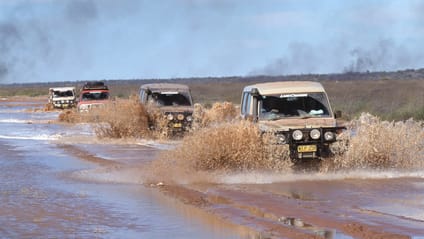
(377,144)
(235,146)
(391,96)
(388,99)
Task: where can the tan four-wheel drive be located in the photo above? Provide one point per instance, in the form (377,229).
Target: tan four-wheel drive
(298,113)
(174,101)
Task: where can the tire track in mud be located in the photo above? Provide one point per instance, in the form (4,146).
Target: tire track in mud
(277,216)
(265,225)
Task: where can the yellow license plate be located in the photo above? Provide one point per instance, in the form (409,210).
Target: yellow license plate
(306,148)
(177,125)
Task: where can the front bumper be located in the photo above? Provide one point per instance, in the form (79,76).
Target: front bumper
(63,105)
(179,126)
(308,147)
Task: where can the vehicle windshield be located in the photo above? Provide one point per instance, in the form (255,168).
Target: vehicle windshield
(305,105)
(96,95)
(171,98)
(67,93)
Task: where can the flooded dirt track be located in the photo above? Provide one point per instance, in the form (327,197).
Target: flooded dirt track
(59,181)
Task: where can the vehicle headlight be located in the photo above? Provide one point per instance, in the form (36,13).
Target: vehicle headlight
(297,135)
(83,107)
(180,116)
(281,139)
(170,117)
(315,134)
(329,136)
(189,118)
(62,101)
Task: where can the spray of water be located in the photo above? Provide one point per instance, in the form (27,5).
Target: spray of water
(236,152)
(221,145)
(371,143)
(219,112)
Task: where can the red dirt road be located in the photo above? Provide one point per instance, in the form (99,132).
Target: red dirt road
(328,207)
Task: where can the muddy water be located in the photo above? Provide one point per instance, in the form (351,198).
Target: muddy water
(56,181)
(59,181)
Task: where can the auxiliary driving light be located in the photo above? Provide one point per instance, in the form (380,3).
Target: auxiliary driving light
(170,117)
(180,116)
(281,139)
(329,136)
(315,134)
(297,135)
(189,118)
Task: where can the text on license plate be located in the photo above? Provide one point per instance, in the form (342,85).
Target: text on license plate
(306,148)
(177,125)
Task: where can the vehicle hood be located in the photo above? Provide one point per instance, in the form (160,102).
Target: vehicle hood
(285,124)
(92,102)
(177,109)
(64,98)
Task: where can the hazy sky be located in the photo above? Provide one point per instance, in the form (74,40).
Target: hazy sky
(69,40)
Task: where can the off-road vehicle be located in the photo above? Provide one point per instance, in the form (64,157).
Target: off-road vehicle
(173,100)
(62,97)
(297,112)
(93,94)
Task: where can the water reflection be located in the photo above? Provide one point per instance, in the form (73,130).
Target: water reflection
(39,201)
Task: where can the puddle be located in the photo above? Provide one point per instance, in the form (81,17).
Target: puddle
(324,233)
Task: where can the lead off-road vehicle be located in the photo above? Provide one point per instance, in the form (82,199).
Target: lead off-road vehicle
(298,113)
(174,102)
(62,97)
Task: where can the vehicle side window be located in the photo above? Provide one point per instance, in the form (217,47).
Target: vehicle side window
(245,109)
(142,96)
(248,104)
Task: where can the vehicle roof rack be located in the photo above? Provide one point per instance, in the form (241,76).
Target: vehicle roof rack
(95,85)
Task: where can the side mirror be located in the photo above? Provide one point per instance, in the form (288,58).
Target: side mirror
(338,114)
(254,92)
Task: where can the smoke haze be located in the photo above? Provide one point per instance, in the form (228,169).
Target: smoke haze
(44,40)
